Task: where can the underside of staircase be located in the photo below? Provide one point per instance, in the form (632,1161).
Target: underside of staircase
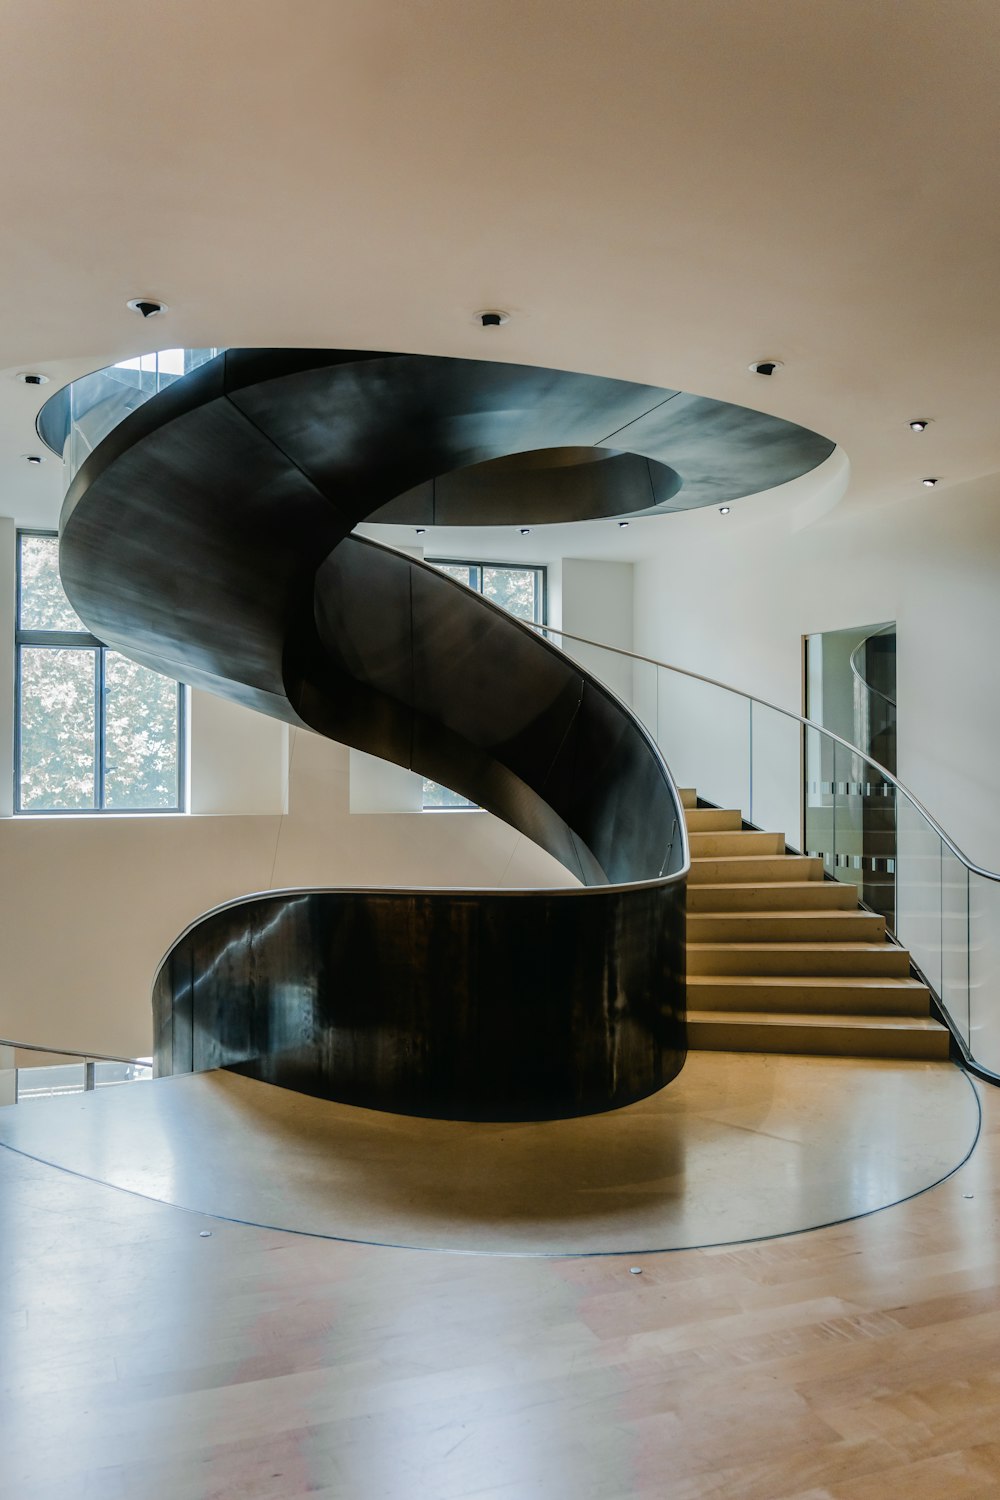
(781,960)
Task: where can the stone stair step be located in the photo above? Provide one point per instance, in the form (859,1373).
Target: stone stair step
(873,959)
(753,868)
(773,895)
(713,819)
(913,1037)
(785,927)
(704,845)
(808,994)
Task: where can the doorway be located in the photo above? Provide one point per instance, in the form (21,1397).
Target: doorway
(849,807)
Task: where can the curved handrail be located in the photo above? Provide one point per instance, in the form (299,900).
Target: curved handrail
(318,625)
(138,1062)
(878,693)
(828,734)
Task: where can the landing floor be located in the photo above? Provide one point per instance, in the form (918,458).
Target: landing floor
(739,1147)
(141,1360)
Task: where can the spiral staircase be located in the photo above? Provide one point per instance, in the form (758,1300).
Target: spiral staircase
(208,533)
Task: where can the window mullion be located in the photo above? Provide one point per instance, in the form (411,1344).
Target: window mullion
(100,730)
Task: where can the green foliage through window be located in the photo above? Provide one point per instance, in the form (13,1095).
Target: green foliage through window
(96,731)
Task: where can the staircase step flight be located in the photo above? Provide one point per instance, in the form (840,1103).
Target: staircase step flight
(781,959)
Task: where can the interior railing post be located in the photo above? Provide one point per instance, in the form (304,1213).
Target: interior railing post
(968,956)
(750,748)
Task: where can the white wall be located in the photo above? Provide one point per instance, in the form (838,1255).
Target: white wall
(90,904)
(733,599)
(597,603)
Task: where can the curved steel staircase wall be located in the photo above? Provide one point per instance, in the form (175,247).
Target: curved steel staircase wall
(208,537)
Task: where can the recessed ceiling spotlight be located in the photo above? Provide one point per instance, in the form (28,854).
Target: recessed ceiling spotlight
(928,483)
(492,317)
(766,366)
(146,307)
(33,458)
(623,524)
(29,378)
(723,510)
(920,424)
(421,530)
(525,530)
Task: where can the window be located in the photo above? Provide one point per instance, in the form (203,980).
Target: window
(95,731)
(520,591)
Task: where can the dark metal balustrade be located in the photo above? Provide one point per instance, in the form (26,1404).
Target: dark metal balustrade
(209,536)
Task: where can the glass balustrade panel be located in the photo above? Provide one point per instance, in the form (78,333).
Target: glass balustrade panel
(818,799)
(99,402)
(776,774)
(645,676)
(43,1077)
(110,1074)
(860,838)
(919,890)
(8,1076)
(28,1073)
(704,734)
(955,942)
(984,971)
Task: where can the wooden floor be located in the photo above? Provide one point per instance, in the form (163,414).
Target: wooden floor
(139,1359)
(738,1147)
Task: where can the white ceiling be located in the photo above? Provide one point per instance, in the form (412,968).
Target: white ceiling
(661,190)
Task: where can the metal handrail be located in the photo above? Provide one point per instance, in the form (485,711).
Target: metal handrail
(858,672)
(799,719)
(138,1062)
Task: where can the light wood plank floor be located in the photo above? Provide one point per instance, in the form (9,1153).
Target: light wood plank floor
(141,1361)
(740,1146)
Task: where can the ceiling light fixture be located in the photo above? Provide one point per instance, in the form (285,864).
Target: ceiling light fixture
(146,307)
(928,483)
(33,458)
(723,510)
(29,378)
(623,524)
(766,366)
(920,424)
(421,530)
(525,530)
(492,317)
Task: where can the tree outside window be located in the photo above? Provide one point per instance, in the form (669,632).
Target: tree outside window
(96,732)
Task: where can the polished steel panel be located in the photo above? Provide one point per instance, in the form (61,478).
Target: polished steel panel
(463,1004)
(208,536)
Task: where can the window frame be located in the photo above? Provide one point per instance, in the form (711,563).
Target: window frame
(540,570)
(83,640)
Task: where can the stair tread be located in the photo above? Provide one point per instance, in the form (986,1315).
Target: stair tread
(773,885)
(758,858)
(790,914)
(808,1019)
(808,945)
(832,981)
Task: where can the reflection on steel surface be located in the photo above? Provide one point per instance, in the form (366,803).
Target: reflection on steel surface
(208,536)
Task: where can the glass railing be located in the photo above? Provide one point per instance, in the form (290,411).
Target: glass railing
(77,418)
(31,1072)
(788,774)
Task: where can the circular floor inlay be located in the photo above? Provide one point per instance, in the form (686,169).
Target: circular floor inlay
(739,1147)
